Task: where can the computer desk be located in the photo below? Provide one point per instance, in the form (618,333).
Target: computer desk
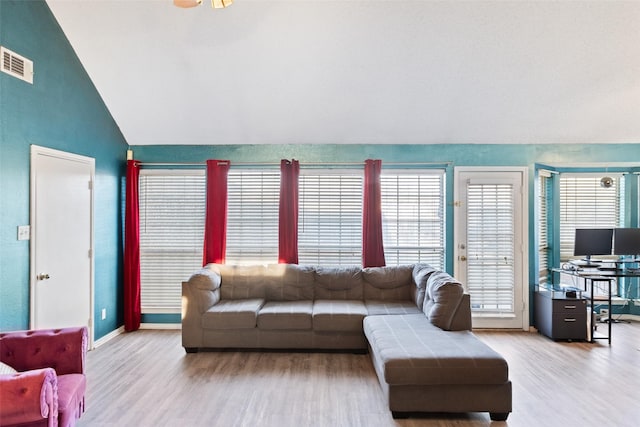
(599,275)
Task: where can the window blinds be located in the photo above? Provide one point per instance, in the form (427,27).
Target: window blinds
(252,216)
(413,217)
(490,247)
(584,203)
(172,206)
(330,217)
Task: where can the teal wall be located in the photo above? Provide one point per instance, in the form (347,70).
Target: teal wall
(61,110)
(454,155)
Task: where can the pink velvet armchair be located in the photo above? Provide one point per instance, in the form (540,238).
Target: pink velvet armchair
(49,387)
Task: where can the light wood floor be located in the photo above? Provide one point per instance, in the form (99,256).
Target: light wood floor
(146,379)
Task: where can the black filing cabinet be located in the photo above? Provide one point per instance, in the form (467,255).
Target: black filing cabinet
(559,317)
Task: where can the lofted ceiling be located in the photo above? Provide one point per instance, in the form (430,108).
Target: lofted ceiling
(363,71)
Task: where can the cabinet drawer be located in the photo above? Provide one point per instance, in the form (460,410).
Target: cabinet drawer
(566,326)
(569,306)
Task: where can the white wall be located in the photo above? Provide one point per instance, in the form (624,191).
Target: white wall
(394,71)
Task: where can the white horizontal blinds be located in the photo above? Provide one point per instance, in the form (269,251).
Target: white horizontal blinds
(413,218)
(172,208)
(544,191)
(584,203)
(490,246)
(252,216)
(330,217)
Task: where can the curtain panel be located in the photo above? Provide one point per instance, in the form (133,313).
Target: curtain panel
(215,227)
(372,245)
(132,307)
(288,212)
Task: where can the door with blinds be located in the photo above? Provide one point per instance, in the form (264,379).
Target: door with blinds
(490,233)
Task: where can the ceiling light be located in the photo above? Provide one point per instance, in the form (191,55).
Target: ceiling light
(217,4)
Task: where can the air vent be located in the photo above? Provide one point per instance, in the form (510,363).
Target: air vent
(16,65)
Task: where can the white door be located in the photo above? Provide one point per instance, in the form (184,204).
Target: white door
(61,239)
(490,255)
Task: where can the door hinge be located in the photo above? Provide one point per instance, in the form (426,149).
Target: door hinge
(90,185)
(90,253)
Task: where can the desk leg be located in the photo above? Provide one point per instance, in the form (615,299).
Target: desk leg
(589,281)
(610,312)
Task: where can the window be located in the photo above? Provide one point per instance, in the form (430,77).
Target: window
(544,193)
(584,203)
(172,207)
(413,217)
(252,216)
(330,217)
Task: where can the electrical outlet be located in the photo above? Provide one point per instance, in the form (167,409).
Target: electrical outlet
(24,232)
(104,313)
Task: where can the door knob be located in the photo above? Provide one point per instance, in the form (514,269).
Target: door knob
(463,258)
(42,276)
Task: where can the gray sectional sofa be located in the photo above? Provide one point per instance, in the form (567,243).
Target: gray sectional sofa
(415,322)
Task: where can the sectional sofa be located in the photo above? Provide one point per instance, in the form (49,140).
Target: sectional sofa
(414,321)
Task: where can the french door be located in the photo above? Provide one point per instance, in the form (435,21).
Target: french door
(490,252)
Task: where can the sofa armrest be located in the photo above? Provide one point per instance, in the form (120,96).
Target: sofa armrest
(64,349)
(28,397)
(199,294)
(462,316)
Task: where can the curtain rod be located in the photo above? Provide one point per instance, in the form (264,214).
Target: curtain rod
(445,163)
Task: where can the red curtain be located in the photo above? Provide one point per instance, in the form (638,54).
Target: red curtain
(372,246)
(288,213)
(215,227)
(132,310)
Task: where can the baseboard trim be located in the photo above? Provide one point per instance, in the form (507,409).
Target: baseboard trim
(160,326)
(111,335)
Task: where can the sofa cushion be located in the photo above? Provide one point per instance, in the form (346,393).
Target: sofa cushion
(338,283)
(391,307)
(444,294)
(240,281)
(286,315)
(338,315)
(412,351)
(421,273)
(289,282)
(233,314)
(387,283)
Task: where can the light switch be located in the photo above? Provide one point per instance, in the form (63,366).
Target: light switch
(24,232)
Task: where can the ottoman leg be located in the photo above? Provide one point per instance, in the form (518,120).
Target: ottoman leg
(498,416)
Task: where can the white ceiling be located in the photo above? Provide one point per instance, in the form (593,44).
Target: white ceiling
(363,71)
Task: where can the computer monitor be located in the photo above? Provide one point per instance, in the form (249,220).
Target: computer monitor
(626,241)
(593,241)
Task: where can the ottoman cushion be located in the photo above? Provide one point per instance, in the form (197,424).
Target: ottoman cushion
(412,351)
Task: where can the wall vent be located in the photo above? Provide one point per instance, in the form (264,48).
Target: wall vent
(16,65)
